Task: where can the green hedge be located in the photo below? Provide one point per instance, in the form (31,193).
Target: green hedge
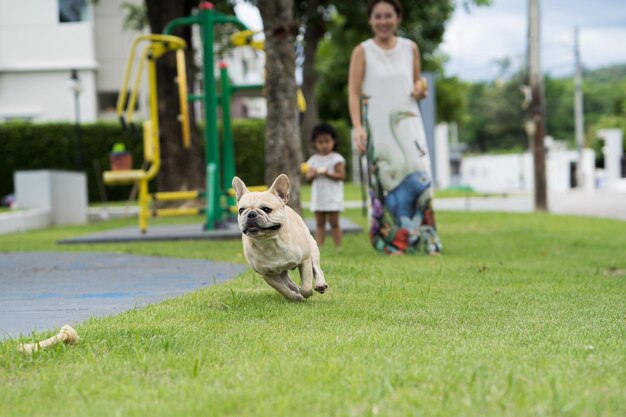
(27,146)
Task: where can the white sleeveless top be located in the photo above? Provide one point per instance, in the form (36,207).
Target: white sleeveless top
(396,127)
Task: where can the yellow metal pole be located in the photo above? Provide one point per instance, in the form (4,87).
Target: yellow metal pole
(182,97)
(176,195)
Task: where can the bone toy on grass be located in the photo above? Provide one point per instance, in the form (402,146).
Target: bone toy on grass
(67,334)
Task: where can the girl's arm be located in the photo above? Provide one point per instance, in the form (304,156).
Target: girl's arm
(311,174)
(339,174)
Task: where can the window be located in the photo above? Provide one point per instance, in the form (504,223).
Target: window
(72,11)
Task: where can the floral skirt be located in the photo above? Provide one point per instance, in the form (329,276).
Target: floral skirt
(402,220)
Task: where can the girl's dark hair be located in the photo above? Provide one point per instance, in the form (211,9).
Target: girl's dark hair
(394,3)
(321,129)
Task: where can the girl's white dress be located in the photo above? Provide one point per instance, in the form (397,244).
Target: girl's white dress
(326,194)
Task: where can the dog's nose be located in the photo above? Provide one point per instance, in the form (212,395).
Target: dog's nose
(252,215)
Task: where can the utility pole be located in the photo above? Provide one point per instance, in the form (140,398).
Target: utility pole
(537,112)
(578,112)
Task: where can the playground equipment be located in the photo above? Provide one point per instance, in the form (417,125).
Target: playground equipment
(220,166)
(152,47)
(219,157)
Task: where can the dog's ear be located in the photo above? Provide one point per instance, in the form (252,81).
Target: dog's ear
(240,187)
(281,187)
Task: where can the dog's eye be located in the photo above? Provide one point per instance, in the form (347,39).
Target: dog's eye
(241,210)
(267,210)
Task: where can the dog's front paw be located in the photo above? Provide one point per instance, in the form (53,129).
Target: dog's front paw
(321,288)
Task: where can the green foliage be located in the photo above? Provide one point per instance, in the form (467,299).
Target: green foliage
(560,108)
(424,23)
(523,315)
(495,116)
(26,146)
(451,100)
(249,135)
(136,16)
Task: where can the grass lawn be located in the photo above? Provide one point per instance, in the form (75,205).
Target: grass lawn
(524,315)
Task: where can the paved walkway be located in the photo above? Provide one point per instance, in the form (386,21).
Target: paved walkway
(40,291)
(579,203)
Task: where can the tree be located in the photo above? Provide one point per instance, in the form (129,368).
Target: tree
(495,116)
(451,100)
(283,148)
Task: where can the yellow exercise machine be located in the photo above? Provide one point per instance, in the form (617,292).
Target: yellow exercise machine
(219,152)
(151,48)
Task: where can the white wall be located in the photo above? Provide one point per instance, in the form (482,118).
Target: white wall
(62,193)
(37,54)
(498,173)
(112,45)
(46,96)
(515,172)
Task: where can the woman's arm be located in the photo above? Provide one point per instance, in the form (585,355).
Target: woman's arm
(355,84)
(420,89)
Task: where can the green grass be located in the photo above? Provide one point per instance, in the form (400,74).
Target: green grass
(524,315)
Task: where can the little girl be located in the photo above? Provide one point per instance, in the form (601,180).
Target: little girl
(327,171)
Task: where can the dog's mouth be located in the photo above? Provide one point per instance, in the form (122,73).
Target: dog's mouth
(253,229)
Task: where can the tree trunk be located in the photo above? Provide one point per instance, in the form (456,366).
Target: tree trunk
(283,149)
(315,29)
(181,169)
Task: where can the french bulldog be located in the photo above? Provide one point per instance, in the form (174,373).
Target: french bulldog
(276,239)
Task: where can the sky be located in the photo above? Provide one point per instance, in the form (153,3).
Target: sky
(474,41)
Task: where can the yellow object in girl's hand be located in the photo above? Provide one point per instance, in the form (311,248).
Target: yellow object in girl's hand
(304,168)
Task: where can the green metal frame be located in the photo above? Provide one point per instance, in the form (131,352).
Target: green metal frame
(220,170)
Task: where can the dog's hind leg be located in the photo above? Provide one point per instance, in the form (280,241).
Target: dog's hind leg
(281,284)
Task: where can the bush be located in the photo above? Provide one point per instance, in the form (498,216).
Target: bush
(28,146)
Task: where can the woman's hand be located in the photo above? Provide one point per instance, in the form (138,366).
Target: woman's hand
(360,139)
(420,89)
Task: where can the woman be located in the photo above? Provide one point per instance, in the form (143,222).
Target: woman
(384,84)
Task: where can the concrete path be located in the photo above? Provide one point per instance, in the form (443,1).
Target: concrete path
(41,291)
(579,203)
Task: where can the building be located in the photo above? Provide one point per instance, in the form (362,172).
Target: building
(44,42)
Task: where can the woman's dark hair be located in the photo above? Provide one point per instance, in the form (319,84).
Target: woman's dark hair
(321,129)
(394,3)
